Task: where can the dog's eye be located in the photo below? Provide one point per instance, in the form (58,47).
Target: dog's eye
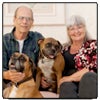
(48,45)
(22,58)
(14,57)
(57,47)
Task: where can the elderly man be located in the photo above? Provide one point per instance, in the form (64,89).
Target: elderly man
(20,39)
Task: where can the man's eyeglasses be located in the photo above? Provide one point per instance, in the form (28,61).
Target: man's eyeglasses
(21,18)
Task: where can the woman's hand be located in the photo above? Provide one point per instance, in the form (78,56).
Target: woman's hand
(65,79)
(79,74)
(44,84)
(13,76)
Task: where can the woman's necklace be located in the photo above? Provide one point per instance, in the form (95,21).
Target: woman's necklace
(74,49)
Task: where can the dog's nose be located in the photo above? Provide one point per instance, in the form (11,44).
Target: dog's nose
(12,66)
(53,51)
(12,63)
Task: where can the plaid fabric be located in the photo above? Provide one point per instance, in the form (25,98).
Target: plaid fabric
(30,47)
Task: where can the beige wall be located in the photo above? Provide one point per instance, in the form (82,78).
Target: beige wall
(58,31)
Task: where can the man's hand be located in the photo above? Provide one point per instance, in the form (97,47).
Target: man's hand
(44,84)
(13,75)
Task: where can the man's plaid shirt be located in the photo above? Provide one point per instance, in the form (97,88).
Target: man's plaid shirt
(30,46)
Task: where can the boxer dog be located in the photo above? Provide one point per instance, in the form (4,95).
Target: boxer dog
(51,63)
(26,88)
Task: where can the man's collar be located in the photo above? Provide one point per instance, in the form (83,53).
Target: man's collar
(12,34)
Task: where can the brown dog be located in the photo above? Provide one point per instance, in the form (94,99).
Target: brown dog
(27,87)
(51,63)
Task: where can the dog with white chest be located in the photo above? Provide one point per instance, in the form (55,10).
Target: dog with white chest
(25,88)
(51,63)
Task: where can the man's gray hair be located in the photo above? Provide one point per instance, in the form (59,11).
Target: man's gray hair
(15,14)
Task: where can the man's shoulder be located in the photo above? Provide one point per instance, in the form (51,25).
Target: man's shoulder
(36,34)
(7,36)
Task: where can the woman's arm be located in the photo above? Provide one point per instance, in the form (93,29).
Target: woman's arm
(76,77)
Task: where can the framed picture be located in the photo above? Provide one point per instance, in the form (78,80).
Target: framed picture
(44,13)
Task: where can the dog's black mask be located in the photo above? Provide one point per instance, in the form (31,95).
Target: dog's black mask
(17,63)
(51,49)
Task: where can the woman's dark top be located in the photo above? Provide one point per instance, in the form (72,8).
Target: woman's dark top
(85,57)
(69,62)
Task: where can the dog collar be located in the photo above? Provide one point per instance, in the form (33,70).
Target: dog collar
(22,81)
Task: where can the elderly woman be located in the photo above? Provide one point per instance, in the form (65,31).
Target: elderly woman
(79,76)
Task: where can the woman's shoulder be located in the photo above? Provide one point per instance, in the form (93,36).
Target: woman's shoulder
(65,47)
(90,43)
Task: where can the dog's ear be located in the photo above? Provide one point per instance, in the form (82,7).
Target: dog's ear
(60,46)
(40,41)
(33,67)
(31,62)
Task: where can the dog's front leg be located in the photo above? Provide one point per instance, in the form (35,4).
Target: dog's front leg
(59,75)
(6,92)
(38,78)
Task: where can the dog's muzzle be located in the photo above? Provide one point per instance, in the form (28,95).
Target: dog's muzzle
(17,64)
(49,53)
